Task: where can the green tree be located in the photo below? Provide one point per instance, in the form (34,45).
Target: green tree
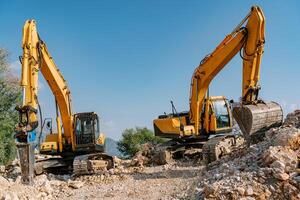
(133,139)
(10,96)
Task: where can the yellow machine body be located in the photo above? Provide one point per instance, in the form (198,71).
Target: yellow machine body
(248,38)
(216,118)
(72,129)
(77,138)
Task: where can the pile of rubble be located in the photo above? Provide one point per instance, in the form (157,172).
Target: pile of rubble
(166,154)
(50,186)
(122,182)
(45,187)
(267,170)
(151,154)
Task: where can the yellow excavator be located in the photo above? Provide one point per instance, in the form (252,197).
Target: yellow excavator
(77,142)
(209,122)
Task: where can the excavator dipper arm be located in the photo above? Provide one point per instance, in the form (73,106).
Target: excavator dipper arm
(250,39)
(79,133)
(36,58)
(209,67)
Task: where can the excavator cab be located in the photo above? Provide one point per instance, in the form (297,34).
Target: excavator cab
(215,118)
(216,115)
(86,131)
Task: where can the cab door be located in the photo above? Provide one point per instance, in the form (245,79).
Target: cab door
(222,115)
(209,119)
(86,128)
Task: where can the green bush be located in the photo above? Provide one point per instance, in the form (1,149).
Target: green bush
(133,139)
(10,96)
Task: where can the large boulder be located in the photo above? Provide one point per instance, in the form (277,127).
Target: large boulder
(151,154)
(3,182)
(280,158)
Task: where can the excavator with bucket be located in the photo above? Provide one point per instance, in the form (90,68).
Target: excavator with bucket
(77,143)
(209,122)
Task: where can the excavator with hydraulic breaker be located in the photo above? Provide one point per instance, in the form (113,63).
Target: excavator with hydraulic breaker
(209,122)
(77,143)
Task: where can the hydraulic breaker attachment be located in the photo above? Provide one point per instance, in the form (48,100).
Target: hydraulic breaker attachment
(25,136)
(26,156)
(255,119)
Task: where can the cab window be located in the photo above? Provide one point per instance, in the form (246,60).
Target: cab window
(88,126)
(78,127)
(96,128)
(221,112)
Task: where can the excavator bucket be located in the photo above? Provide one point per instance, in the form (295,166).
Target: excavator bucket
(254,120)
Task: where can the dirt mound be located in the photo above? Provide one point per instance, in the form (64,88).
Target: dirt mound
(293,119)
(266,170)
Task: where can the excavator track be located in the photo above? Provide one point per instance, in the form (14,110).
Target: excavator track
(92,163)
(219,146)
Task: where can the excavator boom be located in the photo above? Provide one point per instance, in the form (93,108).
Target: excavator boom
(250,40)
(37,58)
(209,67)
(209,116)
(77,134)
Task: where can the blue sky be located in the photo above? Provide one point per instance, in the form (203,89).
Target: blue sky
(127,59)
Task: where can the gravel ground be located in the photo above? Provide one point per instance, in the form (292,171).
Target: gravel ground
(169,181)
(266,170)
(160,182)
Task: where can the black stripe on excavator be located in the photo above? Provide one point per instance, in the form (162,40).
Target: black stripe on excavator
(171,115)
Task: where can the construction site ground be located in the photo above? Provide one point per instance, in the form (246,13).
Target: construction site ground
(266,170)
(169,181)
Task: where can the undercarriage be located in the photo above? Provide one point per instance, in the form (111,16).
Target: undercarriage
(208,150)
(78,165)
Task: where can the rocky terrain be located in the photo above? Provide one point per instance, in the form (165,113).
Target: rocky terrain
(266,170)
(124,182)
